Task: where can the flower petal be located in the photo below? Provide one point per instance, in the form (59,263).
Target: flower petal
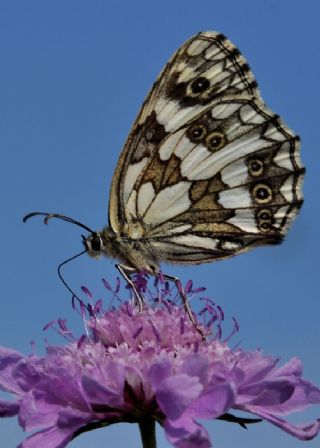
(9,408)
(302,432)
(58,436)
(98,394)
(37,411)
(186,433)
(196,365)
(176,393)
(159,371)
(8,361)
(49,438)
(213,402)
(290,368)
(267,393)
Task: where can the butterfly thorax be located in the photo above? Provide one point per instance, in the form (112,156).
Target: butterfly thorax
(130,247)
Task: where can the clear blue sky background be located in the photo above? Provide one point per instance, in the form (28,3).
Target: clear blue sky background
(73,75)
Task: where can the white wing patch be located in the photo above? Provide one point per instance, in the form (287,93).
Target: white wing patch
(195,241)
(171,116)
(235,173)
(186,74)
(146,195)
(245,220)
(274,133)
(131,207)
(180,229)
(235,197)
(214,53)
(169,202)
(283,157)
(170,143)
(195,159)
(224,110)
(287,189)
(281,213)
(231,245)
(184,148)
(197,46)
(249,115)
(170,229)
(131,176)
(177,144)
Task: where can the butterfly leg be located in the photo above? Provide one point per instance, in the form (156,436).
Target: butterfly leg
(123,269)
(185,302)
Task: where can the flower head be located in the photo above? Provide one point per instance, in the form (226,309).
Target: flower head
(150,365)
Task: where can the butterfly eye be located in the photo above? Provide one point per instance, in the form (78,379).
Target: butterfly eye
(255,167)
(215,141)
(262,193)
(96,243)
(197,132)
(200,85)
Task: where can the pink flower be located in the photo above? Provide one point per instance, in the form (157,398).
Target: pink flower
(150,366)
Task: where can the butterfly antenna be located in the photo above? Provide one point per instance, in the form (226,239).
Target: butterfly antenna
(66,284)
(48,216)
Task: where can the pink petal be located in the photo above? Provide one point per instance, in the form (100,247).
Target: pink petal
(176,393)
(9,359)
(186,433)
(49,438)
(302,432)
(9,408)
(101,395)
(212,403)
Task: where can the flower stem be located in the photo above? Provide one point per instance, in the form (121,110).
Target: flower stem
(148,433)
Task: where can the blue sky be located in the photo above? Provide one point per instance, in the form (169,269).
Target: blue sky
(73,76)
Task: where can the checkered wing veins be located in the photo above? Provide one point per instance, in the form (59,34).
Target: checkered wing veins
(208,169)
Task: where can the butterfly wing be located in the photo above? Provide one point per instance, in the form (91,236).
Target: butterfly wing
(208,169)
(207,67)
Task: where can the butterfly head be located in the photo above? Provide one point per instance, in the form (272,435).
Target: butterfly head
(94,244)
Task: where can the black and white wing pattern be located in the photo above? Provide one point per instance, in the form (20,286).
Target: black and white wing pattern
(208,170)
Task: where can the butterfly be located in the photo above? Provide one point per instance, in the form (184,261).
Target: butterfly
(208,170)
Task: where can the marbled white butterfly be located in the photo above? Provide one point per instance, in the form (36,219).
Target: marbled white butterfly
(208,170)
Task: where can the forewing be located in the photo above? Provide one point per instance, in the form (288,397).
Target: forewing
(226,181)
(205,69)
